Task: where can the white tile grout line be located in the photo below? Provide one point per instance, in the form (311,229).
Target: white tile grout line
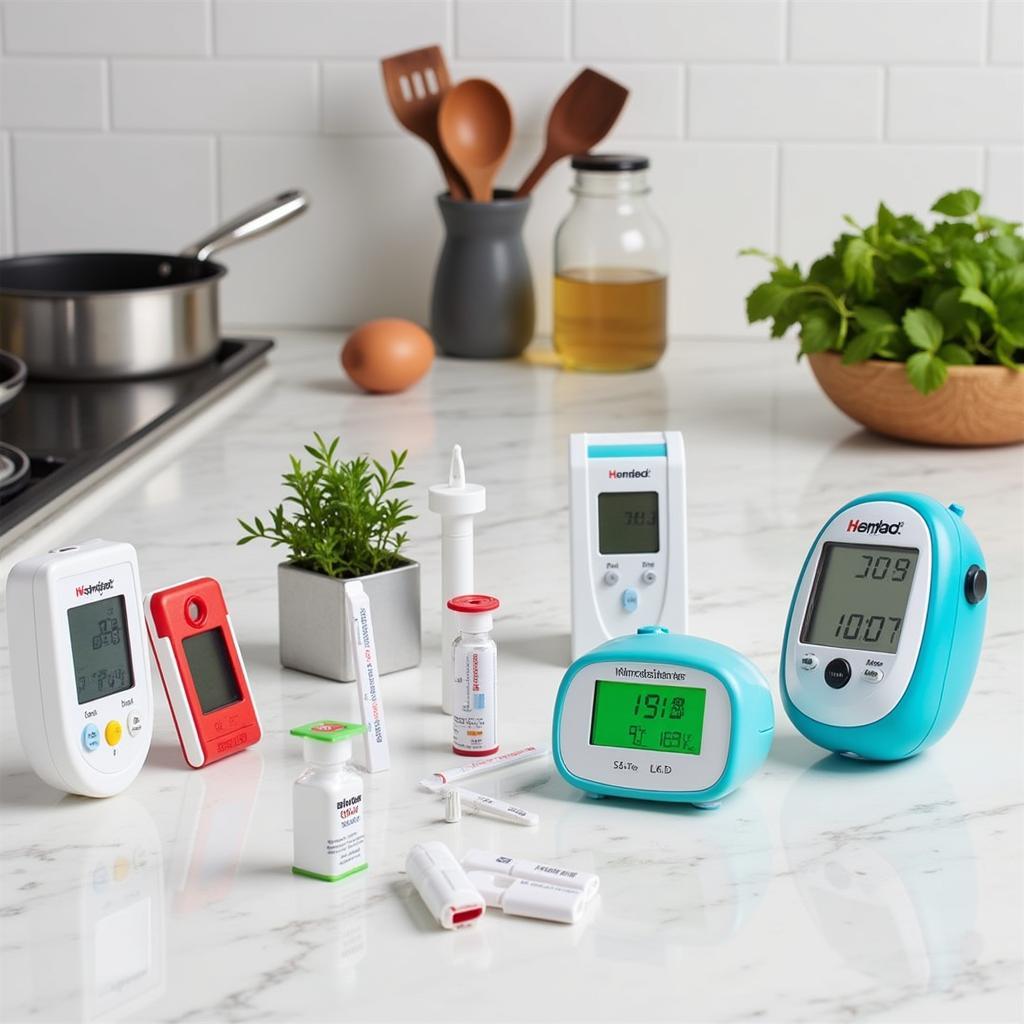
(215,182)
(684,107)
(986,56)
(318,95)
(777,212)
(787,29)
(107,87)
(8,213)
(569,49)
(211,30)
(884,102)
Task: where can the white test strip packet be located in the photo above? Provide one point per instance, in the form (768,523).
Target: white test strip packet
(376,756)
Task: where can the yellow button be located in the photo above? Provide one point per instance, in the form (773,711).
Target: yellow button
(112,733)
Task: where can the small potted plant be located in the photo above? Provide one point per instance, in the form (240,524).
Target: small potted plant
(342,521)
(916,332)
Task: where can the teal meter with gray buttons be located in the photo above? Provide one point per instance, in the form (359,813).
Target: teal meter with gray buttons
(885,627)
(627,527)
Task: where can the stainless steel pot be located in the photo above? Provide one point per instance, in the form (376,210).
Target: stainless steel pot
(105,315)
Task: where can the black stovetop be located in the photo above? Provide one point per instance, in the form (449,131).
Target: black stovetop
(72,429)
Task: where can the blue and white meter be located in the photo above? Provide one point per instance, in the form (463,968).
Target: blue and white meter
(627,511)
(885,627)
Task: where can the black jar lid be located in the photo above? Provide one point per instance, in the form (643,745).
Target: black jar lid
(610,162)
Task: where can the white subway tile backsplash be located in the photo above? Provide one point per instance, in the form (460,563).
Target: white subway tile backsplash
(875,31)
(654,109)
(51,93)
(956,104)
(1004,183)
(784,103)
(328,28)
(139,122)
(354,101)
(705,30)
(6,199)
(530,29)
(376,247)
(714,199)
(112,191)
(118,27)
(1006,43)
(215,95)
(821,183)
(365,249)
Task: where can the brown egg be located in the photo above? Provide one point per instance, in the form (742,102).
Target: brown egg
(383,356)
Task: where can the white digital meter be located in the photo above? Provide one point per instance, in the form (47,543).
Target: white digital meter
(627,509)
(80,667)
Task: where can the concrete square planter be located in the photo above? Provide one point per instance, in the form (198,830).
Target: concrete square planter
(311,613)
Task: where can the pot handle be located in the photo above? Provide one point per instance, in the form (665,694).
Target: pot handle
(256,220)
(13,380)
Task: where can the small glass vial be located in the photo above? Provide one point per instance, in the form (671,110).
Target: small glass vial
(611,269)
(474,677)
(327,804)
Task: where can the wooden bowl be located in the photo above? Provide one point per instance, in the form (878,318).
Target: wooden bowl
(978,405)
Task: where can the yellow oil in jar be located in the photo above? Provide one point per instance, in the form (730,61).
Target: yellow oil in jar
(610,318)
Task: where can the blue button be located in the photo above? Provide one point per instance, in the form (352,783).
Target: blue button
(91,737)
(630,599)
(957,510)
(647,630)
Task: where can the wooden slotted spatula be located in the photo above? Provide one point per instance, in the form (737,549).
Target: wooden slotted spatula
(416,82)
(581,117)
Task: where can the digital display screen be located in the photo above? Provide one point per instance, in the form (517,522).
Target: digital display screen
(100,650)
(859,597)
(641,717)
(627,522)
(212,672)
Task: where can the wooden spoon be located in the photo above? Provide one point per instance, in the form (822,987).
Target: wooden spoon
(475,124)
(581,117)
(416,82)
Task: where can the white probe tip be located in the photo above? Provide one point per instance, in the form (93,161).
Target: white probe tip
(457,472)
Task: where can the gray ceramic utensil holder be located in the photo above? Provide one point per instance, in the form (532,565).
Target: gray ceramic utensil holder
(483,306)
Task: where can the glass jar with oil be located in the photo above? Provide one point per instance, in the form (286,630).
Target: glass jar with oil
(611,269)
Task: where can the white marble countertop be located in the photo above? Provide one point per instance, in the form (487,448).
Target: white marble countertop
(820,891)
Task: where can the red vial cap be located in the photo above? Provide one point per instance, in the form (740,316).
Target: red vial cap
(473,603)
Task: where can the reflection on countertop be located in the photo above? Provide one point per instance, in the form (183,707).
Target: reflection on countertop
(822,890)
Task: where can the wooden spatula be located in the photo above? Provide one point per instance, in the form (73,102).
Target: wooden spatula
(416,82)
(581,117)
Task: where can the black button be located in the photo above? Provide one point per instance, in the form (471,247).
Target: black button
(975,584)
(837,673)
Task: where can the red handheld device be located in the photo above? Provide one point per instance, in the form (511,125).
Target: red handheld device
(202,671)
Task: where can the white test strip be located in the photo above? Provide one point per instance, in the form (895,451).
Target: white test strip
(520,897)
(478,765)
(532,870)
(376,754)
(496,808)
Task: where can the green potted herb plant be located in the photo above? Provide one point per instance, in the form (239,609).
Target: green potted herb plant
(916,332)
(342,521)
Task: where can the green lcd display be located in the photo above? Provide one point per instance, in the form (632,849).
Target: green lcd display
(642,717)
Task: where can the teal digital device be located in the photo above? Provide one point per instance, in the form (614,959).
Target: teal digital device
(885,627)
(662,716)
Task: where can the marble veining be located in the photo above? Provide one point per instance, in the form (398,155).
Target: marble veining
(821,891)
